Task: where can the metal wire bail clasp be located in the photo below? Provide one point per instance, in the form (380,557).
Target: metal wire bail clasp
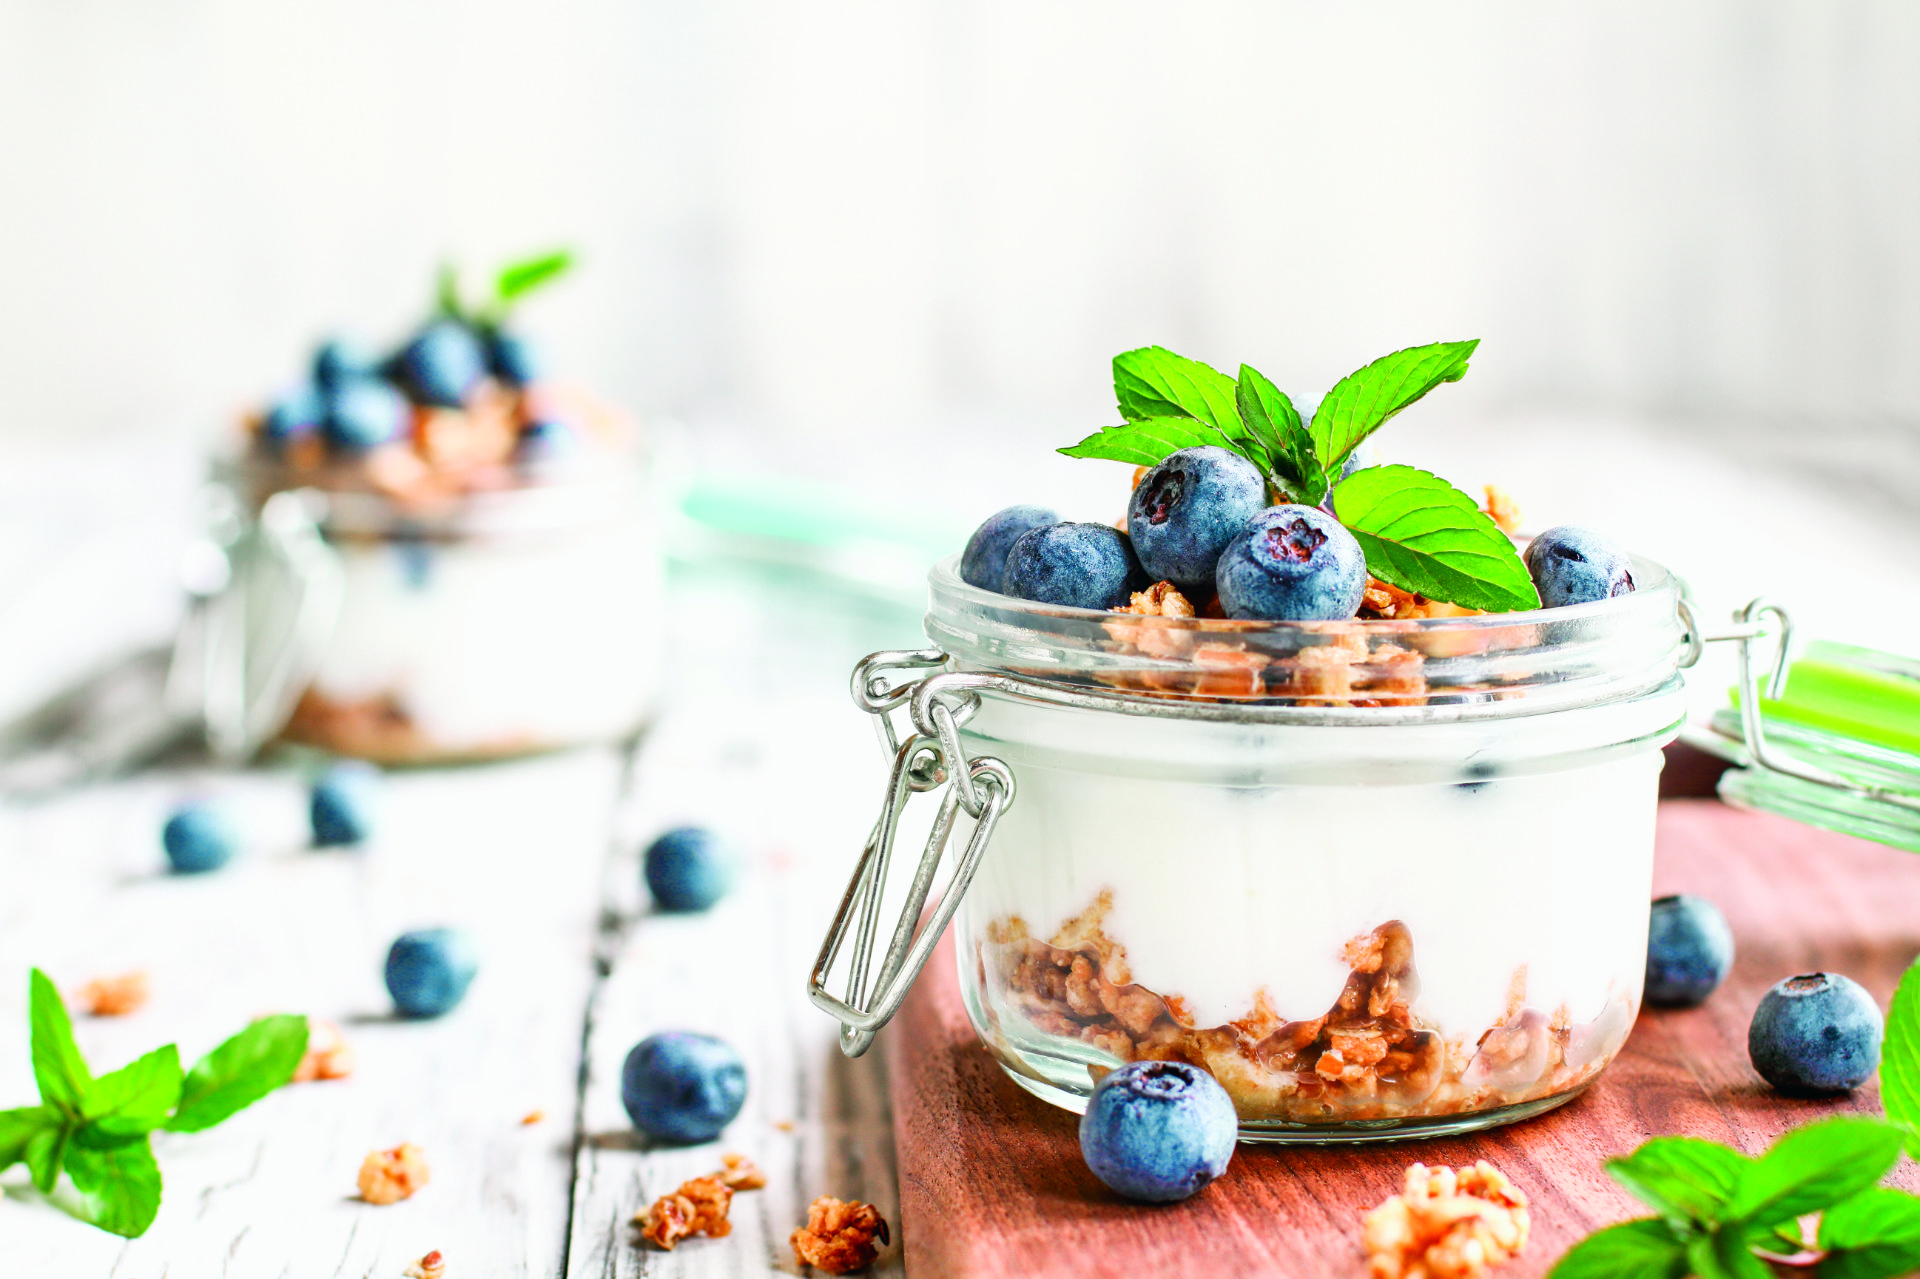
(927,760)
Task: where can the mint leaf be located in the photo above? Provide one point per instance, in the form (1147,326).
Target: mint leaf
(1685,1178)
(1814,1167)
(1724,1254)
(137,1098)
(517,279)
(57,1065)
(44,1152)
(1154,382)
(1275,424)
(1900,1059)
(1424,535)
(1874,1235)
(118,1181)
(1363,400)
(240,1072)
(19,1127)
(1648,1247)
(446,292)
(1148,441)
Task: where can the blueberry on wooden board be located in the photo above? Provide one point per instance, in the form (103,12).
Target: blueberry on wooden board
(682,1087)
(343,803)
(1689,951)
(428,971)
(690,868)
(1816,1033)
(1158,1131)
(198,837)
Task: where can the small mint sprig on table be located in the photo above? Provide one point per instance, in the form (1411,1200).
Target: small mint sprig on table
(98,1130)
(511,283)
(1418,532)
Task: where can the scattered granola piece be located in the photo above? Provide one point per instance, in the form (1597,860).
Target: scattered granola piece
(1502,509)
(698,1207)
(328,1056)
(114,996)
(431,1266)
(1446,1224)
(741,1173)
(667,1222)
(784,1125)
(388,1176)
(532,1117)
(839,1235)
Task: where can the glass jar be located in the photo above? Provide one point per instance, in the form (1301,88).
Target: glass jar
(1381,878)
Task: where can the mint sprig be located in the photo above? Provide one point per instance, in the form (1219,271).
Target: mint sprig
(1419,533)
(511,283)
(98,1130)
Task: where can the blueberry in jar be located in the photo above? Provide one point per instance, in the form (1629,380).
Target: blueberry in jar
(1077,565)
(512,358)
(1689,951)
(339,361)
(1571,565)
(1159,1131)
(342,804)
(689,868)
(1816,1033)
(1185,510)
(682,1087)
(363,414)
(1293,564)
(984,561)
(297,413)
(428,971)
(197,837)
(442,365)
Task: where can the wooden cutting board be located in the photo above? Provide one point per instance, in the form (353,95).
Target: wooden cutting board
(992,1183)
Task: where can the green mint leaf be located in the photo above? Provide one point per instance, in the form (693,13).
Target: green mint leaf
(1900,1059)
(1272,420)
(1814,1167)
(1874,1235)
(19,1127)
(446,292)
(57,1065)
(240,1072)
(1154,382)
(1644,1249)
(517,279)
(1688,1180)
(1424,535)
(1725,1254)
(44,1152)
(118,1181)
(135,1099)
(1148,441)
(1362,401)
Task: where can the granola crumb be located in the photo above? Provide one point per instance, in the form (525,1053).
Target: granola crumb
(328,1055)
(839,1235)
(1162,599)
(784,1125)
(1502,509)
(698,1207)
(114,996)
(1447,1224)
(532,1117)
(388,1176)
(741,1173)
(431,1266)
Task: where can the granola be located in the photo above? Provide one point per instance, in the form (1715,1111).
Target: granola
(388,1176)
(741,1173)
(328,1054)
(1502,509)
(839,1235)
(698,1207)
(1446,1224)
(114,996)
(431,1266)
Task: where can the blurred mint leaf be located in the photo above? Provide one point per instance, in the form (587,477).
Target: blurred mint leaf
(44,1152)
(446,292)
(1363,400)
(19,1127)
(1814,1167)
(517,279)
(57,1065)
(1275,424)
(137,1098)
(240,1072)
(1725,1254)
(1153,382)
(1644,1249)
(1148,441)
(1874,1235)
(1424,535)
(1685,1178)
(1900,1059)
(118,1181)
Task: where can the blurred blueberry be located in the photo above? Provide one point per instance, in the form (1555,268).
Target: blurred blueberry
(198,838)
(1158,1130)
(1363,456)
(984,562)
(339,361)
(364,413)
(297,413)
(512,358)
(1689,951)
(428,971)
(1293,563)
(1577,566)
(343,803)
(690,868)
(442,365)
(1184,511)
(1816,1033)
(414,548)
(682,1087)
(1078,565)
(544,439)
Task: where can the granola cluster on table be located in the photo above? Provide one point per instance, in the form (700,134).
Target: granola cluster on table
(1447,1224)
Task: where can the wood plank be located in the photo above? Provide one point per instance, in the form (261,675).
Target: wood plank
(992,1182)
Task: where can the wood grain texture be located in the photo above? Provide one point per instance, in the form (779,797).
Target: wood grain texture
(992,1183)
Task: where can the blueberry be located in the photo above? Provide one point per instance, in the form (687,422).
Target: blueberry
(344,798)
(512,358)
(1816,1033)
(1292,563)
(1362,457)
(442,364)
(1158,1130)
(362,414)
(428,971)
(1079,565)
(198,837)
(1689,951)
(1576,566)
(545,438)
(689,868)
(1185,510)
(338,362)
(682,1087)
(984,562)
(297,413)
